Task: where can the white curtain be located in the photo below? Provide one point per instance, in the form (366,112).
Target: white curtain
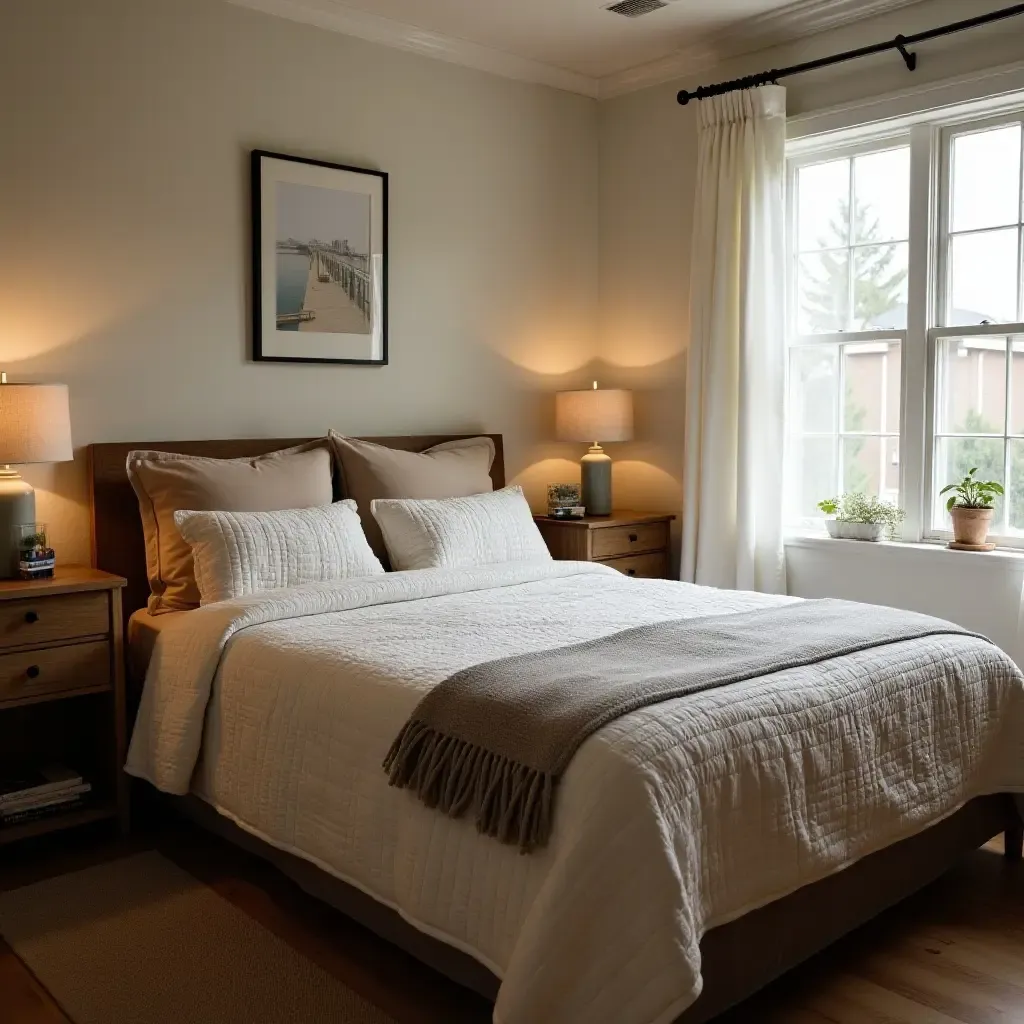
(732,479)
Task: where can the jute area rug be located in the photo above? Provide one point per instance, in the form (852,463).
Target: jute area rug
(139,941)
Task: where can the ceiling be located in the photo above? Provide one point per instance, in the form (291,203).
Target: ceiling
(578,44)
(575,35)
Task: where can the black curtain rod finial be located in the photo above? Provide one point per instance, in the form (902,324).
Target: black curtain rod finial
(910,59)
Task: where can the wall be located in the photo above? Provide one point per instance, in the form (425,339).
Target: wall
(981,592)
(124,240)
(648,171)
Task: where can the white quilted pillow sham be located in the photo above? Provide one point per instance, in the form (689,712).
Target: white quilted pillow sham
(238,553)
(459,533)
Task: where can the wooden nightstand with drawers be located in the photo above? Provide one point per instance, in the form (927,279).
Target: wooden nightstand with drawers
(635,543)
(62,695)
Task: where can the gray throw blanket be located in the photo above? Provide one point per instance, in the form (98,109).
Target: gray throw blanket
(496,738)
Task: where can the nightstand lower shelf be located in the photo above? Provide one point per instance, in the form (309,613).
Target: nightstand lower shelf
(100,811)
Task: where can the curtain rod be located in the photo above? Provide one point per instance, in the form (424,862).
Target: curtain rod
(900,43)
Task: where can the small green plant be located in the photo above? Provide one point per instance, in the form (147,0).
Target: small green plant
(860,508)
(972,493)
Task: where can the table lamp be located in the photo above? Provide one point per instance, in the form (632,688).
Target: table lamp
(595,416)
(35,426)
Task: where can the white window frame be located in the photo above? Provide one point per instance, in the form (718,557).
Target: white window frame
(946,134)
(834,150)
(930,138)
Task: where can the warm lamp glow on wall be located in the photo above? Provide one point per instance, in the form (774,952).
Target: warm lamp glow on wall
(35,426)
(595,415)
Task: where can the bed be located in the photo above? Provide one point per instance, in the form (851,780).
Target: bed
(704,846)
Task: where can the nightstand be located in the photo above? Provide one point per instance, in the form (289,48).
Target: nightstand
(635,543)
(62,693)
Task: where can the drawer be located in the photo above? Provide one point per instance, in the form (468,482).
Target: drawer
(653,566)
(26,675)
(625,540)
(43,620)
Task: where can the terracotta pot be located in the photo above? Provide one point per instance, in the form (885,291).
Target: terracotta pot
(971,525)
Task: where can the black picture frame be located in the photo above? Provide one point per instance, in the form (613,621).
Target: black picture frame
(374,282)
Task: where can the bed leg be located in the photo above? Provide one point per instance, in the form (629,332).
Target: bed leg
(1013,842)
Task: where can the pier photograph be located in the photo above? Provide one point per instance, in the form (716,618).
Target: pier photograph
(320,261)
(323,277)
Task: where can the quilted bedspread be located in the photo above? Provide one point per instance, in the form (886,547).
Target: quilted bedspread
(278,709)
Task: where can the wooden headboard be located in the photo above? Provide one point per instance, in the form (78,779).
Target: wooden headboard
(117,543)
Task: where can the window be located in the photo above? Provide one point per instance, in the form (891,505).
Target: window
(849,266)
(906,320)
(978,416)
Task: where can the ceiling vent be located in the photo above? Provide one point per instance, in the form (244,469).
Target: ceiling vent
(636,8)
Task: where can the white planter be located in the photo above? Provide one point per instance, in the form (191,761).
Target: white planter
(854,531)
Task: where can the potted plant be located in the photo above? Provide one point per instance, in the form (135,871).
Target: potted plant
(971,506)
(859,517)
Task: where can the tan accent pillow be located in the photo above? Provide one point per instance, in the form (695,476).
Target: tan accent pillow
(166,482)
(455,469)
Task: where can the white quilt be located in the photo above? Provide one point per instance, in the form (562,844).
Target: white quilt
(669,821)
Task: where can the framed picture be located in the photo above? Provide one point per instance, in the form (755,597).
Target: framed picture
(320,261)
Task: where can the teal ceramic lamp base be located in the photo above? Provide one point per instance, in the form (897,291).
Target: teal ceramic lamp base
(596,476)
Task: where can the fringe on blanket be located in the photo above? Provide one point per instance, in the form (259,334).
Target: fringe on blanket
(513,802)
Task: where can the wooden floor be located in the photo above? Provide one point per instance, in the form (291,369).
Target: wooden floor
(952,954)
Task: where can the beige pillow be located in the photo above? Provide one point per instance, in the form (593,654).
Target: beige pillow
(369,471)
(166,482)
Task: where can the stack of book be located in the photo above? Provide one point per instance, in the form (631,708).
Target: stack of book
(29,795)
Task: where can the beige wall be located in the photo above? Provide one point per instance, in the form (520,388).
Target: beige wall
(125,127)
(648,171)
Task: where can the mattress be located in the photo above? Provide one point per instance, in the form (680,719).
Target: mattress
(277,709)
(143,629)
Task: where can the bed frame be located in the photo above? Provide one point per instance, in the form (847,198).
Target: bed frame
(737,958)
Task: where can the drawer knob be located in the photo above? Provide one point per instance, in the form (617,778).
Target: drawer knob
(631,572)
(632,538)
(32,671)
(31,617)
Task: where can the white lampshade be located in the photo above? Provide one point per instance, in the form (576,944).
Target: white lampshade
(35,423)
(594,415)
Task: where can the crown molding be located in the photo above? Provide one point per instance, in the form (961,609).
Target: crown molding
(797,20)
(335,16)
(985,93)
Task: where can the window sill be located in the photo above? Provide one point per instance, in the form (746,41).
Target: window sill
(887,549)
